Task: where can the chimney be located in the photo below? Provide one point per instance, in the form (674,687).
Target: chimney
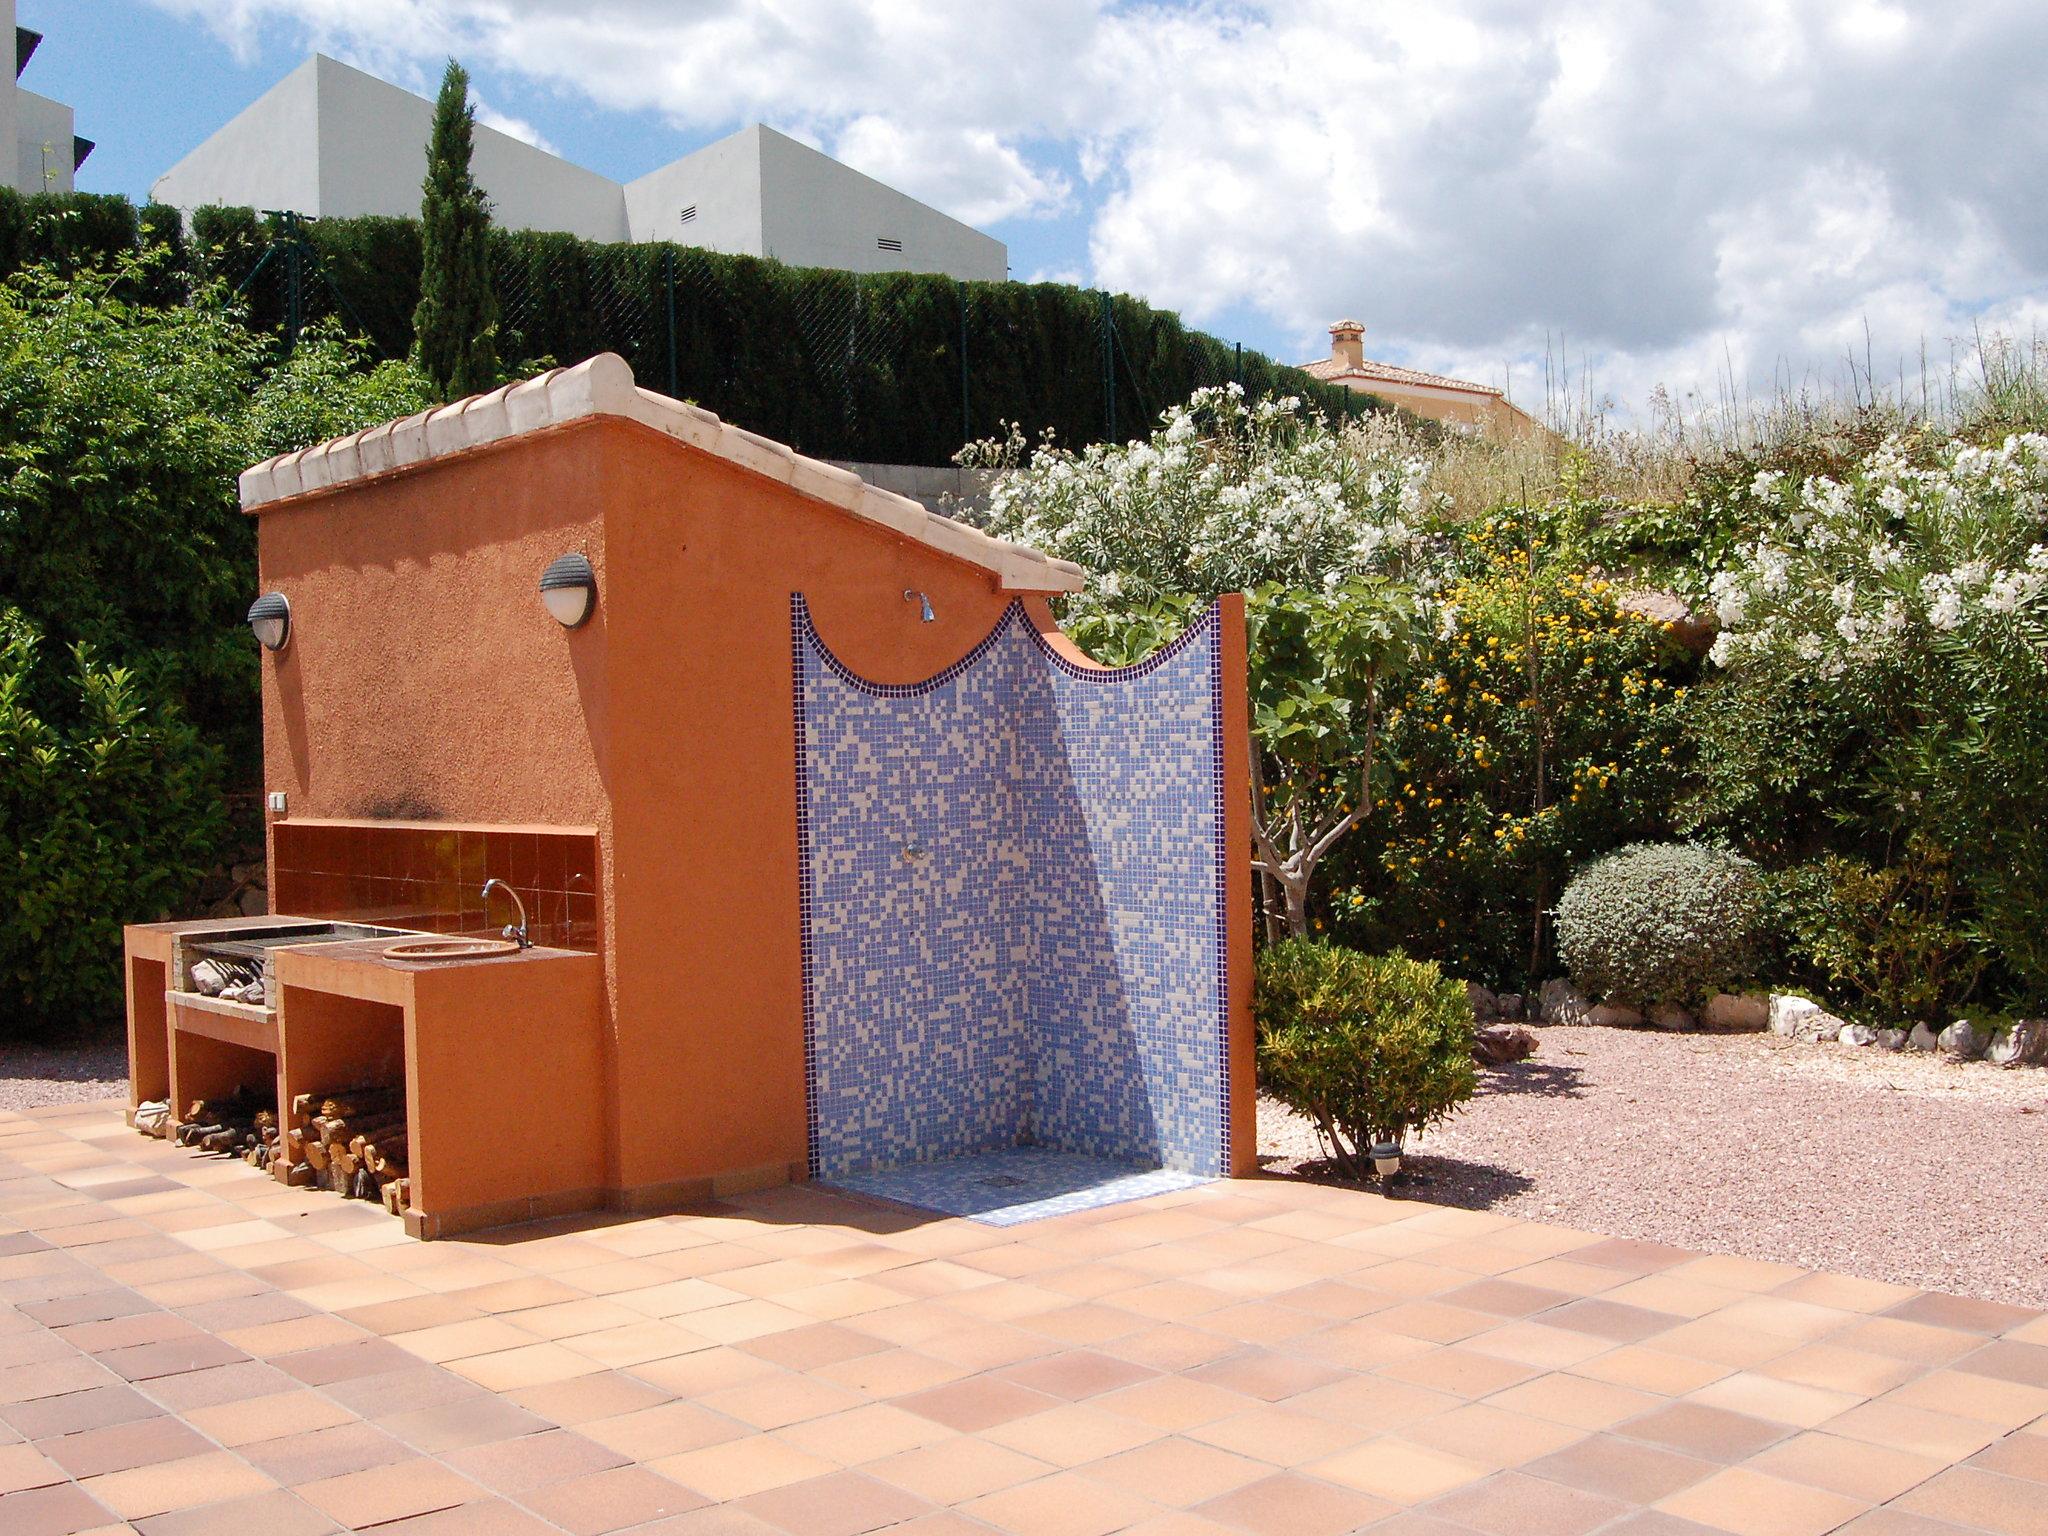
(1347,344)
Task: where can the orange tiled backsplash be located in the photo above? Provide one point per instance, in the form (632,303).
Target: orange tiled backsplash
(433,877)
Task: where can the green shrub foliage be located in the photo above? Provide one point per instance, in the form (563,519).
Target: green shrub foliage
(108,813)
(1890,941)
(123,425)
(1367,1047)
(1659,922)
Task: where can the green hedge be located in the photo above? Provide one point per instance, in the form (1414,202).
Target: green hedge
(844,366)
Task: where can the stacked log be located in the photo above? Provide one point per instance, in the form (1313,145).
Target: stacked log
(243,1125)
(351,1142)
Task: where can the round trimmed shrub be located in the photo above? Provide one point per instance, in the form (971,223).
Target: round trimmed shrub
(1367,1047)
(1660,923)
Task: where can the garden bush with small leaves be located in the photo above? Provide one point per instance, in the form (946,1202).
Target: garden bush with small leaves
(1660,922)
(1367,1047)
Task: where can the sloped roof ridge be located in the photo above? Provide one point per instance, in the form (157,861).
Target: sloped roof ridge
(604,386)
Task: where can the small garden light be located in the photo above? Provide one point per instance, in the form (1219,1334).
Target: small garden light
(569,589)
(1386,1158)
(270,619)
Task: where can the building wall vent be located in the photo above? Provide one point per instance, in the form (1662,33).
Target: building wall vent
(689,214)
(887,243)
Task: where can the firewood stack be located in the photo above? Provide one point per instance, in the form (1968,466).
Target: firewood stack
(351,1142)
(244,1126)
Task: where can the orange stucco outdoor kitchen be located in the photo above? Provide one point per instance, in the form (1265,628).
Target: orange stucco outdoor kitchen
(752,806)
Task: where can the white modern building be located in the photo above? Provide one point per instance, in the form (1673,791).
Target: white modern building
(331,141)
(46,151)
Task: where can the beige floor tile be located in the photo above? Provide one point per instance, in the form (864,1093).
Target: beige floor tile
(1073,1433)
(1785,1402)
(1576,1400)
(2002,1404)
(1491,1436)
(1652,1370)
(391,1492)
(667,1429)
(635,1344)
(1400,1471)
(248,1420)
(459,1341)
(1174,1403)
(787,1398)
(1177,1472)
(1919,1430)
(1064,1504)
(863,1434)
(141,1492)
(1750,1504)
(957,1469)
(1854,1468)
(1840,1370)
(739,1469)
(1282,1437)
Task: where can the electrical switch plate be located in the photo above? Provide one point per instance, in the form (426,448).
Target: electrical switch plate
(277,802)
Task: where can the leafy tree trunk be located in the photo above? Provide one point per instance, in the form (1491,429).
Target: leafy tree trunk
(1288,844)
(456,323)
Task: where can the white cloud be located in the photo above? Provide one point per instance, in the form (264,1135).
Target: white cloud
(514,127)
(1669,192)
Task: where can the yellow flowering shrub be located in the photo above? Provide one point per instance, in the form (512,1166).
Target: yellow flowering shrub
(1541,729)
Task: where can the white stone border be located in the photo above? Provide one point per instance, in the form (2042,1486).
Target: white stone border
(604,386)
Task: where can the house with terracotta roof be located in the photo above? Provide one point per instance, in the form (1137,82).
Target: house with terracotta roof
(1456,402)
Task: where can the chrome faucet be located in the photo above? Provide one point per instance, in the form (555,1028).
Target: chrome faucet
(515,931)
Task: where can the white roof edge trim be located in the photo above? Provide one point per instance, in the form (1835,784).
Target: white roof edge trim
(604,386)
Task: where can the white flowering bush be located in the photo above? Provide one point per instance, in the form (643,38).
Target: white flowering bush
(1260,496)
(1909,599)
(1228,494)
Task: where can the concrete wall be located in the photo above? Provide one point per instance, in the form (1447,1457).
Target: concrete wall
(27,123)
(40,121)
(373,157)
(721,181)
(331,141)
(268,156)
(819,213)
(761,193)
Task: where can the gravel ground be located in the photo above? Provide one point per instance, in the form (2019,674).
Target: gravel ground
(93,1066)
(1905,1168)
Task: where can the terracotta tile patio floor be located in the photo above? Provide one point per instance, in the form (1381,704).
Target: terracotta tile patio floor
(187,1347)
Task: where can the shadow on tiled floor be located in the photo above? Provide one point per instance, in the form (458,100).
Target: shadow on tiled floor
(188,1349)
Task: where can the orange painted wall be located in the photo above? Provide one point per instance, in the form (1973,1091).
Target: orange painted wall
(710,1000)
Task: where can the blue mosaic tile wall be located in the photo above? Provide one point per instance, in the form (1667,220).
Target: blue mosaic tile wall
(1012,905)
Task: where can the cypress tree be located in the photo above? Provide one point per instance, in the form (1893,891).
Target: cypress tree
(456,323)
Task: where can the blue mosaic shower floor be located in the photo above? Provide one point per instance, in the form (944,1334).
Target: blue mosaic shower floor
(1016,1184)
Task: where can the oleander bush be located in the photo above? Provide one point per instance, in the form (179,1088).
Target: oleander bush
(1660,923)
(1366,1047)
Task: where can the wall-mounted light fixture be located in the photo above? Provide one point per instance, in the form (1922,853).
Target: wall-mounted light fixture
(924,604)
(270,620)
(569,589)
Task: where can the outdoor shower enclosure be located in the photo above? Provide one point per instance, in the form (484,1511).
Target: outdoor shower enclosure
(1015,888)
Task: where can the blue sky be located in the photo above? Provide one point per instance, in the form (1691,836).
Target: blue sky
(1681,200)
